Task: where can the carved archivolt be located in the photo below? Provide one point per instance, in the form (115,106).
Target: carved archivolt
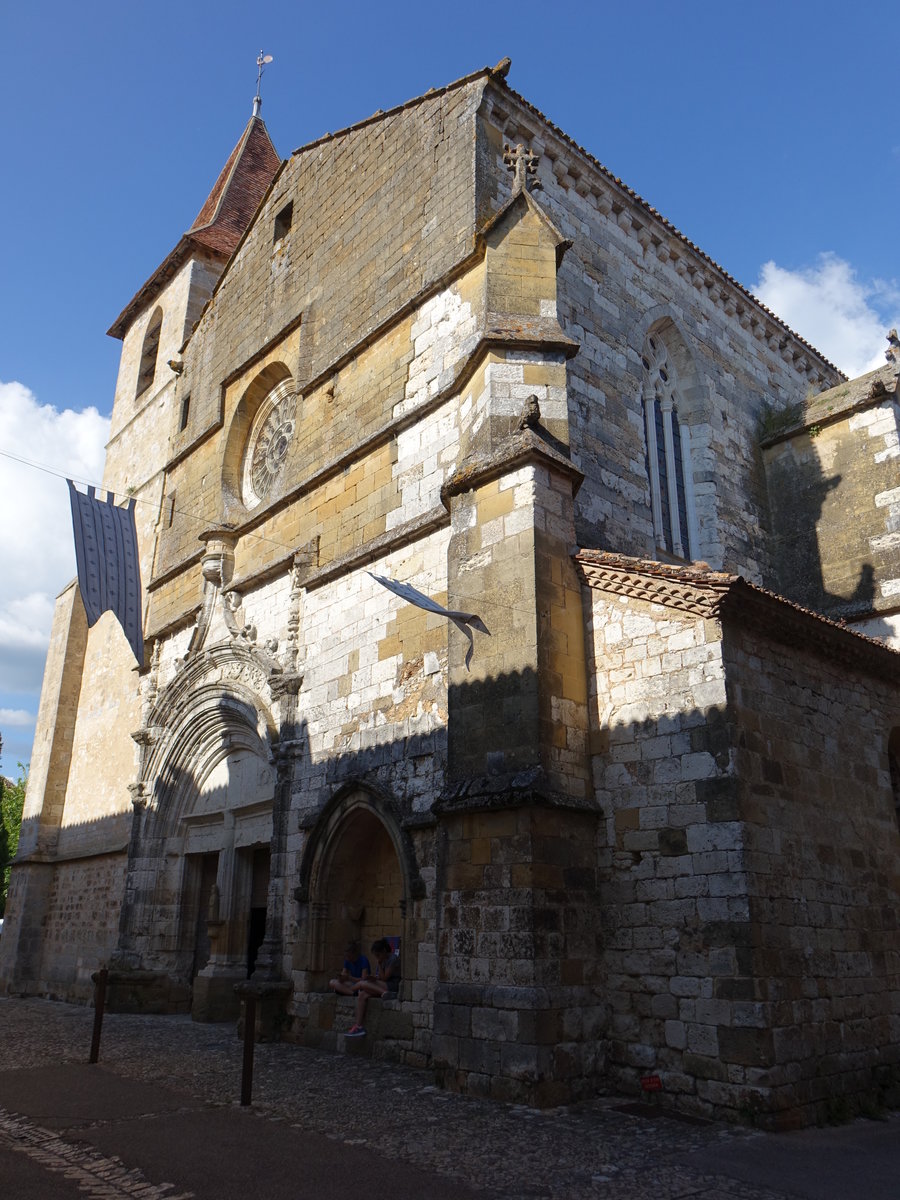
(214,707)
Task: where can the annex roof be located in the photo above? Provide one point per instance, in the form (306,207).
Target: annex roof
(838,402)
(703,592)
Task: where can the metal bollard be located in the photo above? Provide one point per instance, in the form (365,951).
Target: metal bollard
(249,1039)
(99,1001)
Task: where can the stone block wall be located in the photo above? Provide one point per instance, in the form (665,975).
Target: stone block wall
(51,754)
(82,925)
(181,302)
(375,673)
(822,861)
(360,465)
(751,870)
(360,198)
(518,1013)
(672,873)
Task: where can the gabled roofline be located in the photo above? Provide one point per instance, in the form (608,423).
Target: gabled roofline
(635,198)
(523,196)
(167,270)
(837,403)
(497,76)
(330,137)
(380,115)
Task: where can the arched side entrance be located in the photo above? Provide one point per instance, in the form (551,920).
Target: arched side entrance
(357,878)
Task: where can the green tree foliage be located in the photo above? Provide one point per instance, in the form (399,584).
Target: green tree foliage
(12,801)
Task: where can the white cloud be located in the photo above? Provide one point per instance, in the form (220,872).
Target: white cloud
(16,717)
(844,317)
(37,556)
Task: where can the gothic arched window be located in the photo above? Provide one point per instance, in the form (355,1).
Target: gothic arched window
(668,455)
(149,353)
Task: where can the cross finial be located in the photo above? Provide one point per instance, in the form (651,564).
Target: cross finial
(523,165)
(262,61)
(892,354)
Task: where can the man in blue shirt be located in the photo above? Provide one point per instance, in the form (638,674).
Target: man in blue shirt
(355,968)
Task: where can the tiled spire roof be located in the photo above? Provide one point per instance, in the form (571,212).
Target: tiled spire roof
(237,192)
(223,219)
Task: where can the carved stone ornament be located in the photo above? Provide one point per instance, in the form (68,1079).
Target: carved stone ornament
(523,165)
(140,794)
(268,443)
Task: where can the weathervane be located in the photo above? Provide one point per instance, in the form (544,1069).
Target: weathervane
(262,62)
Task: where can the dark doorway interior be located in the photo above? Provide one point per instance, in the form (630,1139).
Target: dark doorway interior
(259,894)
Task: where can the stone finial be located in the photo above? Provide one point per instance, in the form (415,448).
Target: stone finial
(531,414)
(892,354)
(523,165)
(502,68)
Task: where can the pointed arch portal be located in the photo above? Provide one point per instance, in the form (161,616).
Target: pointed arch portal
(357,877)
(199,864)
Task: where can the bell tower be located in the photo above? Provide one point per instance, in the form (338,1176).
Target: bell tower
(78,810)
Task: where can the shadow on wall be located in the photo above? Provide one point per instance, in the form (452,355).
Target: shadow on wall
(742,903)
(752,890)
(813,534)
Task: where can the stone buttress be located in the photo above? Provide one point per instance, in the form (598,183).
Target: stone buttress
(515,1014)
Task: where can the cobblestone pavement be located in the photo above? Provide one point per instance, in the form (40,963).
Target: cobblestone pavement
(507,1151)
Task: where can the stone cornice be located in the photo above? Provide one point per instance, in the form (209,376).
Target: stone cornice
(688,589)
(520,449)
(739,605)
(524,789)
(503,332)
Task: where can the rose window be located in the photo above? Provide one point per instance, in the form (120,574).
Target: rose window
(267,446)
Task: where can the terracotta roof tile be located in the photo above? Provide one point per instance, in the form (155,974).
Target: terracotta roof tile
(705,592)
(223,219)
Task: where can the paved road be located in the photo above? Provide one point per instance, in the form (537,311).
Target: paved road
(113,1137)
(158,1119)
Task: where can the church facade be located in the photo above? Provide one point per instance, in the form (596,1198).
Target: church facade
(636,821)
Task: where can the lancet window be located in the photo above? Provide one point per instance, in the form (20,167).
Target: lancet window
(668,450)
(149,353)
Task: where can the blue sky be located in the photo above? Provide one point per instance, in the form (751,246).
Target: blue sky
(765,132)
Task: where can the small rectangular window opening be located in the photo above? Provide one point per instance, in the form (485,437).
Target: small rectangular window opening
(283,221)
(170,509)
(185,412)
